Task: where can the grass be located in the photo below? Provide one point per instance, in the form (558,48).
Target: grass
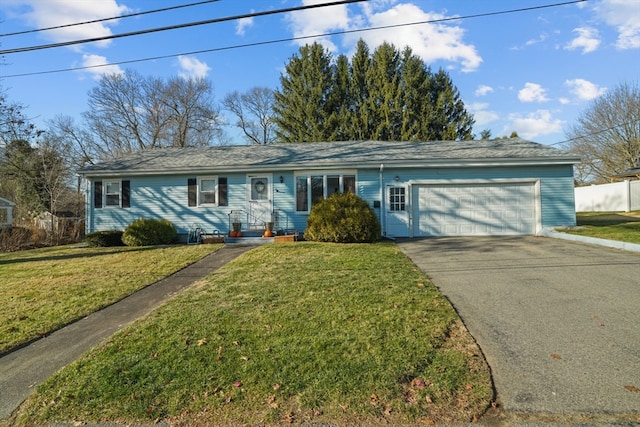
(289,333)
(44,289)
(624,227)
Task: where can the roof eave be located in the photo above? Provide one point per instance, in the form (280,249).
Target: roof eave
(435,163)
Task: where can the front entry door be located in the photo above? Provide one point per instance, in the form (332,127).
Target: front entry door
(259,197)
(397,217)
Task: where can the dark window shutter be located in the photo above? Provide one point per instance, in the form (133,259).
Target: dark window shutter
(126,194)
(193,192)
(223,194)
(97,194)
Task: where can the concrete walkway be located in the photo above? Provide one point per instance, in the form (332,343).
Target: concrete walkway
(22,370)
(558,321)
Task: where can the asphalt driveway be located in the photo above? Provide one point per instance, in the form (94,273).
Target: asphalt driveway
(558,321)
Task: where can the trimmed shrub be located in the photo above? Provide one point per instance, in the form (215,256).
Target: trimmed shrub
(342,218)
(149,232)
(104,238)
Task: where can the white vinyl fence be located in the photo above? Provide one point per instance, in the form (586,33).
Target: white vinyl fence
(615,197)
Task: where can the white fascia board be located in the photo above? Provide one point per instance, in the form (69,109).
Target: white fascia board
(443,163)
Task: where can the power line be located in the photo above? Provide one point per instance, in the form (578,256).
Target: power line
(597,132)
(177,26)
(130,15)
(289,39)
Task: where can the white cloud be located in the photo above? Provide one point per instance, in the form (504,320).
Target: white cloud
(318,21)
(532,92)
(192,67)
(431,42)
(98,66)
(52,13)
(588,40)
(483,90)
(244,23)
(540,39)
(482,114)
(533,124)
(624,15)
(584,89)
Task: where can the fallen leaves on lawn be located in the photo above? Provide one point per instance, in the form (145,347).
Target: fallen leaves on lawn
(556,356)
(201,342)
(632,389)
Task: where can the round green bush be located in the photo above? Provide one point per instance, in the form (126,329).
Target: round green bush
(342,218)
(149,232)
(104,238)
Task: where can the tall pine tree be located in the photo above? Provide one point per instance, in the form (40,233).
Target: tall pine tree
(302,106)
(360,121)
(389,95)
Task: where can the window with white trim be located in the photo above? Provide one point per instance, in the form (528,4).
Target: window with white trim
(315,186)
(112,193)
(397,198)
(207,190)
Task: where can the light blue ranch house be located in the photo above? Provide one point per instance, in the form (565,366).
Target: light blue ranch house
(417,189)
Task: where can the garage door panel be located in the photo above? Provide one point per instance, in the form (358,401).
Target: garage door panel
(474,209)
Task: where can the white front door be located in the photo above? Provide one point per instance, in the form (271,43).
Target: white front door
(397,215)
(259,198)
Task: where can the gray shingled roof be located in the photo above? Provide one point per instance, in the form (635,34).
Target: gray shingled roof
(631,172)
(325,155)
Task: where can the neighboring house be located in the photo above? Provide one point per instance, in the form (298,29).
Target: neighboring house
(58,222)
(6,212)
(632,173)
(440,188)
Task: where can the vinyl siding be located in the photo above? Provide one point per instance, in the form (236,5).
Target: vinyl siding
(167,196)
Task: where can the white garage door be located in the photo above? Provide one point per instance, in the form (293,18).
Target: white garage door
(474,210)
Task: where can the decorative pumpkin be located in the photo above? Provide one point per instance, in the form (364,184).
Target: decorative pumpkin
(268,233)
(238,234)
(233,233)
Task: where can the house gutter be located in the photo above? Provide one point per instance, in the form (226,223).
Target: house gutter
(444,163)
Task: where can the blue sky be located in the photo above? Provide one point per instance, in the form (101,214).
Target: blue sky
(532,72)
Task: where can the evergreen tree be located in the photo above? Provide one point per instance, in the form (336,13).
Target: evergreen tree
(385,98)
(415,90)
(388,95)
(448,119)
(301,108)
(339,101)
(360,122)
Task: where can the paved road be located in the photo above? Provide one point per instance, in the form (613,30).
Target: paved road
(22,370)
(558,321)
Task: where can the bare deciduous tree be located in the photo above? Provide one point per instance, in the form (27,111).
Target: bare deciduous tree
(128,113)
(254,111)
(607,135)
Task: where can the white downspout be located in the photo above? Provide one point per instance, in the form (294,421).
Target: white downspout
(383,219)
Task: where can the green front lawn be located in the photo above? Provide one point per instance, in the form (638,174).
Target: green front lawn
(621,226)
(44,289)
(288,333)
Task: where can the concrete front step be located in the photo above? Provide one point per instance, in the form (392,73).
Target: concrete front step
(248,240)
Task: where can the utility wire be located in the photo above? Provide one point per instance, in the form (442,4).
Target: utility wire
(597,132)
(177,26)
(130,15)
(275,41)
